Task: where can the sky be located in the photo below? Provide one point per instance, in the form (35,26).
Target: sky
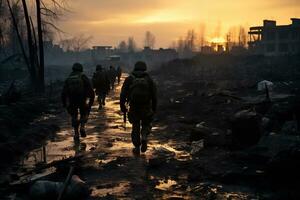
(110,21)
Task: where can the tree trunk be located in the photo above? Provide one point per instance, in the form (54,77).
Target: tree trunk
(33,67)
(41,47)
(19,37)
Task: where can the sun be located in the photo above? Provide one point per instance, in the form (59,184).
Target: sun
(218,40)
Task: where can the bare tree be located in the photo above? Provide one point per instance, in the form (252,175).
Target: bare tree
(131,44)
(76,43)
(242,37)
(202,35)
(190,41)
(149,40)
(231,38)
(122,46)
(180,45)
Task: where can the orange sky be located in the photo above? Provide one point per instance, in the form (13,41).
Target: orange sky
(110,21)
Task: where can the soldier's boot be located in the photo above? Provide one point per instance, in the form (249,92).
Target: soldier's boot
(76,135)
(100,102)
(75,125)
(82,130)
(135,137)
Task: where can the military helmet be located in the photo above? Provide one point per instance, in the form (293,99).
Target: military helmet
(140,66)
(77,67)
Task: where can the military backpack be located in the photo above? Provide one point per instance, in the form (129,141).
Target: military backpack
(140,90)
(75,84)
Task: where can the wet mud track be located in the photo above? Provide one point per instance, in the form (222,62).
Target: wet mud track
(108,164)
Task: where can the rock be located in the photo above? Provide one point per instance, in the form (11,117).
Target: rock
(246,128)
(197,146)
(161,155)
(211,136)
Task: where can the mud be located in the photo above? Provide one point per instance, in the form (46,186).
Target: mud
(167,170)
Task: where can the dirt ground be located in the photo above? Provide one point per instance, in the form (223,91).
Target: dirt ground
(170,169)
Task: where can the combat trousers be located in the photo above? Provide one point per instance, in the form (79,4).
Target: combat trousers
(101,99)
(141,119)
(81,109)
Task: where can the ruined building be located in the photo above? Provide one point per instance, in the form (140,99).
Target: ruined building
(273,40)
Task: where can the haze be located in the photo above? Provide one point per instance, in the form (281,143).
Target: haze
(110,21)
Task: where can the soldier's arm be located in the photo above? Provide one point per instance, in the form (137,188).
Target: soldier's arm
(124,93)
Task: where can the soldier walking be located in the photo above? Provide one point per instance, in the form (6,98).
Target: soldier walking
(119,74)
(102,85)
(76,92)
(112,76)
(139,91)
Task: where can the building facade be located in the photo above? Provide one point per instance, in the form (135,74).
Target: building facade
(273,40)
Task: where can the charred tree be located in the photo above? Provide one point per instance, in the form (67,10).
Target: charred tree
(19,36)
(41,75)
(30,45)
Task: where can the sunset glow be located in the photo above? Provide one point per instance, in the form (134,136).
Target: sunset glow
(218,40)
(112,21)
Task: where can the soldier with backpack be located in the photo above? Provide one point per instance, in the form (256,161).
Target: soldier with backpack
(139,91)
(112,76)
(76,91)
(102,85)
(119,74)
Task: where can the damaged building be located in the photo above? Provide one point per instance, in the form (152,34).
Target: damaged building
(275,40)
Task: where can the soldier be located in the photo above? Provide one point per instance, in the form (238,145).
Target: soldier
(119,74)
(112,76)
(139,91)
(101,84)
(76,91)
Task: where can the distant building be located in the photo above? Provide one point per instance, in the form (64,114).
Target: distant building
(101,53)
(207,50)
(273,40)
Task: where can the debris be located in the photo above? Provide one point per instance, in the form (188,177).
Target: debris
(50,190)
(261,86)
(197,146)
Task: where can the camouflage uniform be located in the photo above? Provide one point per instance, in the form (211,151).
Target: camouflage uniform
(78,103)
(140,116)
(102,85)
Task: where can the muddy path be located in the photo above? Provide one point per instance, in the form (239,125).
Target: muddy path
(109,167)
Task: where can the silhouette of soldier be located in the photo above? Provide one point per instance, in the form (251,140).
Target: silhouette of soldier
(102,85)
(119,74)
(139,91)
(76,91)
(112,76)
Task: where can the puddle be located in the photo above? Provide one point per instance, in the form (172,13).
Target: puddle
(165,184)
(110,136)
(108,189)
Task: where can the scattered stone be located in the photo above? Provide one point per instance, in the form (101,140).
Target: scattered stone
(197,146)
